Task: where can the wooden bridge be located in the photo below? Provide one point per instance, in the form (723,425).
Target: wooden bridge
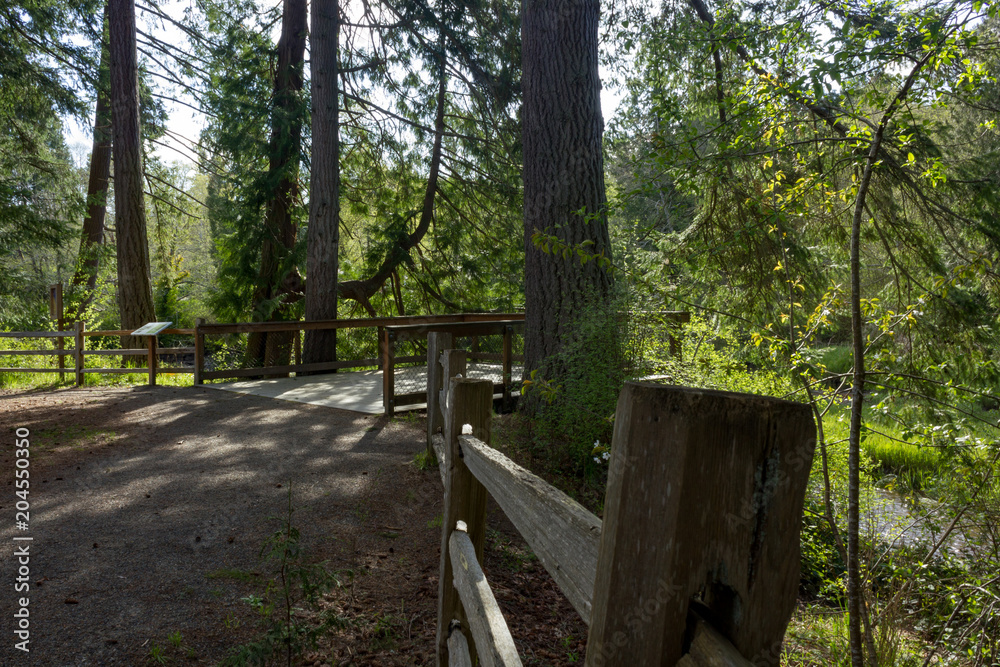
(383,367)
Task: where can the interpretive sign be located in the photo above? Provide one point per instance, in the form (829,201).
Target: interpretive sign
(151,328)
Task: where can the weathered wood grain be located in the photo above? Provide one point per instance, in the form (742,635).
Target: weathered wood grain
(469,402)
(437,342)
(453,364)
(440,455)
(704,501)
(199,350)
(78,350)
(458,650)
(561,532)
(36,334)
(358,323)
(388,371)
(710,649)
(494,645)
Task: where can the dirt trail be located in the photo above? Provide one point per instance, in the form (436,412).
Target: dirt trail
(144,500)
(149,507)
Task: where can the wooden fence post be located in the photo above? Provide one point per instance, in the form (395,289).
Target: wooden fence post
(78,353)
(151,356)
(469,402)
(388,372)
(199,350)
(437,342)
(702,513)
(453,364)
(507,361)
(60,326)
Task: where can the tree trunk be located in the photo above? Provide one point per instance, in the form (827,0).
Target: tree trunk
(89,261)
(135,294)
(855,601)
(324,188)
(275,278)
(564,191)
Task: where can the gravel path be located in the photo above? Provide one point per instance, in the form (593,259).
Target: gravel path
(141,498)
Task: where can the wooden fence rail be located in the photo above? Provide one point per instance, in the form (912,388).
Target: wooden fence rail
(696,561)
(406,328)
(79,352)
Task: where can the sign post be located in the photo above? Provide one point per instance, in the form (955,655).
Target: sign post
(56,313)
(150,330)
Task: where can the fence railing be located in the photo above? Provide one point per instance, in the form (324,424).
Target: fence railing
(79,352)
(494,362)
(696,560)
(386,334)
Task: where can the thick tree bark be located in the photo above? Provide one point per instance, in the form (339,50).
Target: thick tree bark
(135,293)
(324,189)
(563,168)
(89,262)
(280,226)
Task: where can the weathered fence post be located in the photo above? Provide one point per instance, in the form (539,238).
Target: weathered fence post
(151,355)
(453,364)
(702,514)
(78,353)
(58,312)
(388,372)
(469,402)
(199,350)
(507,361)
(437,342)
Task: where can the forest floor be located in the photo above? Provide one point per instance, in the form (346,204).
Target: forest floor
(150,507)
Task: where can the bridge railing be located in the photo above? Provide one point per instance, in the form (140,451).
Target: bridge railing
(695,562)
(493,352)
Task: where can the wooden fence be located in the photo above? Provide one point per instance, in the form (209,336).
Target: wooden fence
(696,560)
(444,334)
(389,332)
(79,352)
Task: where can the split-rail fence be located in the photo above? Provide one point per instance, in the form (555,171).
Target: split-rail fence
(696,560)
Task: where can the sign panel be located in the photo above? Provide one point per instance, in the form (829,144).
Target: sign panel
(151,328)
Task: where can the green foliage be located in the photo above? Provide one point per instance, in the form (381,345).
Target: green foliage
(577,414)
(721,358)
(297,586)
(425,461)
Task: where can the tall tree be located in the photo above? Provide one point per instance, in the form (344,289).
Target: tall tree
(564,193)
(135,293)
(324,190)
(92,238)
(278,277)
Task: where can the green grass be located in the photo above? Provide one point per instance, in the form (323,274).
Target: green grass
(915,466)
(424,461)
(819,636)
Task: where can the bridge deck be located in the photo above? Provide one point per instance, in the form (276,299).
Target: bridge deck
(358,391)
